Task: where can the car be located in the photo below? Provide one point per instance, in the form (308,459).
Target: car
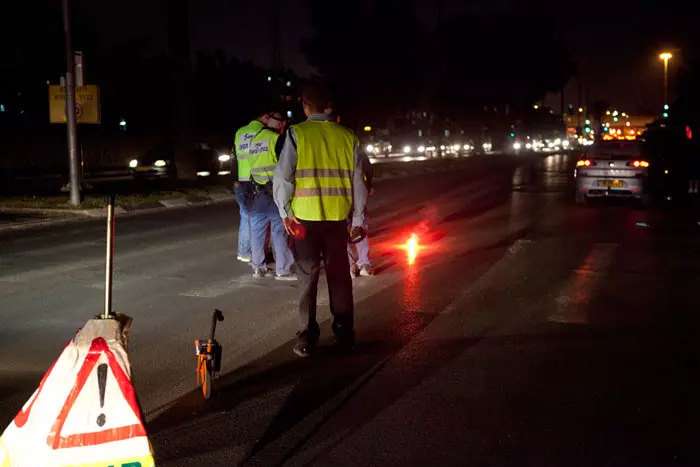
(612,168)
(159,162)
(212,161)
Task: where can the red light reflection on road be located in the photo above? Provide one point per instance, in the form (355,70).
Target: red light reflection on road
(412,247)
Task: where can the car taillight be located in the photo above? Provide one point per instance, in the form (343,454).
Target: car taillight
(585,163)
(640,164)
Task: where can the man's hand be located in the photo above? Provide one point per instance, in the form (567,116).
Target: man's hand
(357,233)
(235,184)
(289,223)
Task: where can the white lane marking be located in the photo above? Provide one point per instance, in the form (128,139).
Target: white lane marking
(518,248)
(581,287)
(218,289)
(69,246)
(225,287)
(59,248)
(61,269)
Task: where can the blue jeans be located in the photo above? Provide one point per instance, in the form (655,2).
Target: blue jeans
(243,194)
(361,246)
(265,211)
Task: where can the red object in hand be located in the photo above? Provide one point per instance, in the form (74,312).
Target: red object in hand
(299,231)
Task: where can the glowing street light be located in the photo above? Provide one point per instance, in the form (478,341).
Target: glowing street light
(666,56)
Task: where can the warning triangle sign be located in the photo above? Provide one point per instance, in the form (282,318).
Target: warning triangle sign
(84,411)
(103,397)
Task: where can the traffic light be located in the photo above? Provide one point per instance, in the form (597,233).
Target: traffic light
(587,129)
(512,135)
(665,114)
(665,106)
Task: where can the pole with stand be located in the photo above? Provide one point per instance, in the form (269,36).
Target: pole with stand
(109,264)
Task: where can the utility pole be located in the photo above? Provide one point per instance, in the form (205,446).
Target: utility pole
(580,99)
(71,123)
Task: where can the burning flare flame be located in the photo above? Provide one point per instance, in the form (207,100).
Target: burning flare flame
(412,248)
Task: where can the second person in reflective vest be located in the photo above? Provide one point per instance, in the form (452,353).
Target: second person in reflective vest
(262,158)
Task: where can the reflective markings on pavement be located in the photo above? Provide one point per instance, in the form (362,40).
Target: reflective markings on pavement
(492,275)
(583,285)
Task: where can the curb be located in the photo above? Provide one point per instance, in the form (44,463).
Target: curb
(62,216)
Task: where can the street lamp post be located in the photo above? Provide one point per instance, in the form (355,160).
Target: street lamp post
(666,56)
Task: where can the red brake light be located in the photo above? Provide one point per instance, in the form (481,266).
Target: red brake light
(643,164)
(585,163)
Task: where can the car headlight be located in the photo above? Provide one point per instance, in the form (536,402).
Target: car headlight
(224,158)
(442,148)
(565,144)
(557,142)
(421,148)
(160,163)
(407,149)
(516,146)
(369,148)
(133,163)
(466,147)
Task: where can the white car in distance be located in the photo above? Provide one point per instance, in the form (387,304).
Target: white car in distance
(614,168)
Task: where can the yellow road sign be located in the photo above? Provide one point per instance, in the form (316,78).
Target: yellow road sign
(87,104)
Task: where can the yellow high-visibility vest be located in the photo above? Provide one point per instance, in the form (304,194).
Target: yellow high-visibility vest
(242,141)
(324,171)
(262,157)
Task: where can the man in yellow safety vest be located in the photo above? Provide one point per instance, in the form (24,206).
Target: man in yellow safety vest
(263,150)
(317,183)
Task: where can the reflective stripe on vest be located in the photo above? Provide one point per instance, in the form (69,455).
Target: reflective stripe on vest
(262,158)
(324,171)
(243,138)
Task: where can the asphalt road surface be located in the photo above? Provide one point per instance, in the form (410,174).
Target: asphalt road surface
(527,331)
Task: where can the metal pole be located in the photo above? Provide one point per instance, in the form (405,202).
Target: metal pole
(75,176)
(665,81)
(109,264)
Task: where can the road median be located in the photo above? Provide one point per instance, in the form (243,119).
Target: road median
(28,211)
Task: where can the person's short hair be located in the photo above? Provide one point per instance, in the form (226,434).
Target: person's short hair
(317,96)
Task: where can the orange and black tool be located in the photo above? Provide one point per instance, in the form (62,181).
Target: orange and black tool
(208,357)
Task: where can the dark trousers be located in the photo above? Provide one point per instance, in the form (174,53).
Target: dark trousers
(327,239)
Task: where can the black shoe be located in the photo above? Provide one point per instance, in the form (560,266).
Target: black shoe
(302,350)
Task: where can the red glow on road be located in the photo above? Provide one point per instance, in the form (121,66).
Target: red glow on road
(412,247)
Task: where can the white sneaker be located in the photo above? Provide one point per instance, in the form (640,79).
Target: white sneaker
(245,259)
(286,277)
(366,270)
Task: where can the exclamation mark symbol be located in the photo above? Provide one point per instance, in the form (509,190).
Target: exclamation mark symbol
(102,382)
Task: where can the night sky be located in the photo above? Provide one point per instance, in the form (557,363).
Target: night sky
(615,43)
(616,46)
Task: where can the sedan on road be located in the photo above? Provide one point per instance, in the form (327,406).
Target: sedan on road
(612,169)
(160,162)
